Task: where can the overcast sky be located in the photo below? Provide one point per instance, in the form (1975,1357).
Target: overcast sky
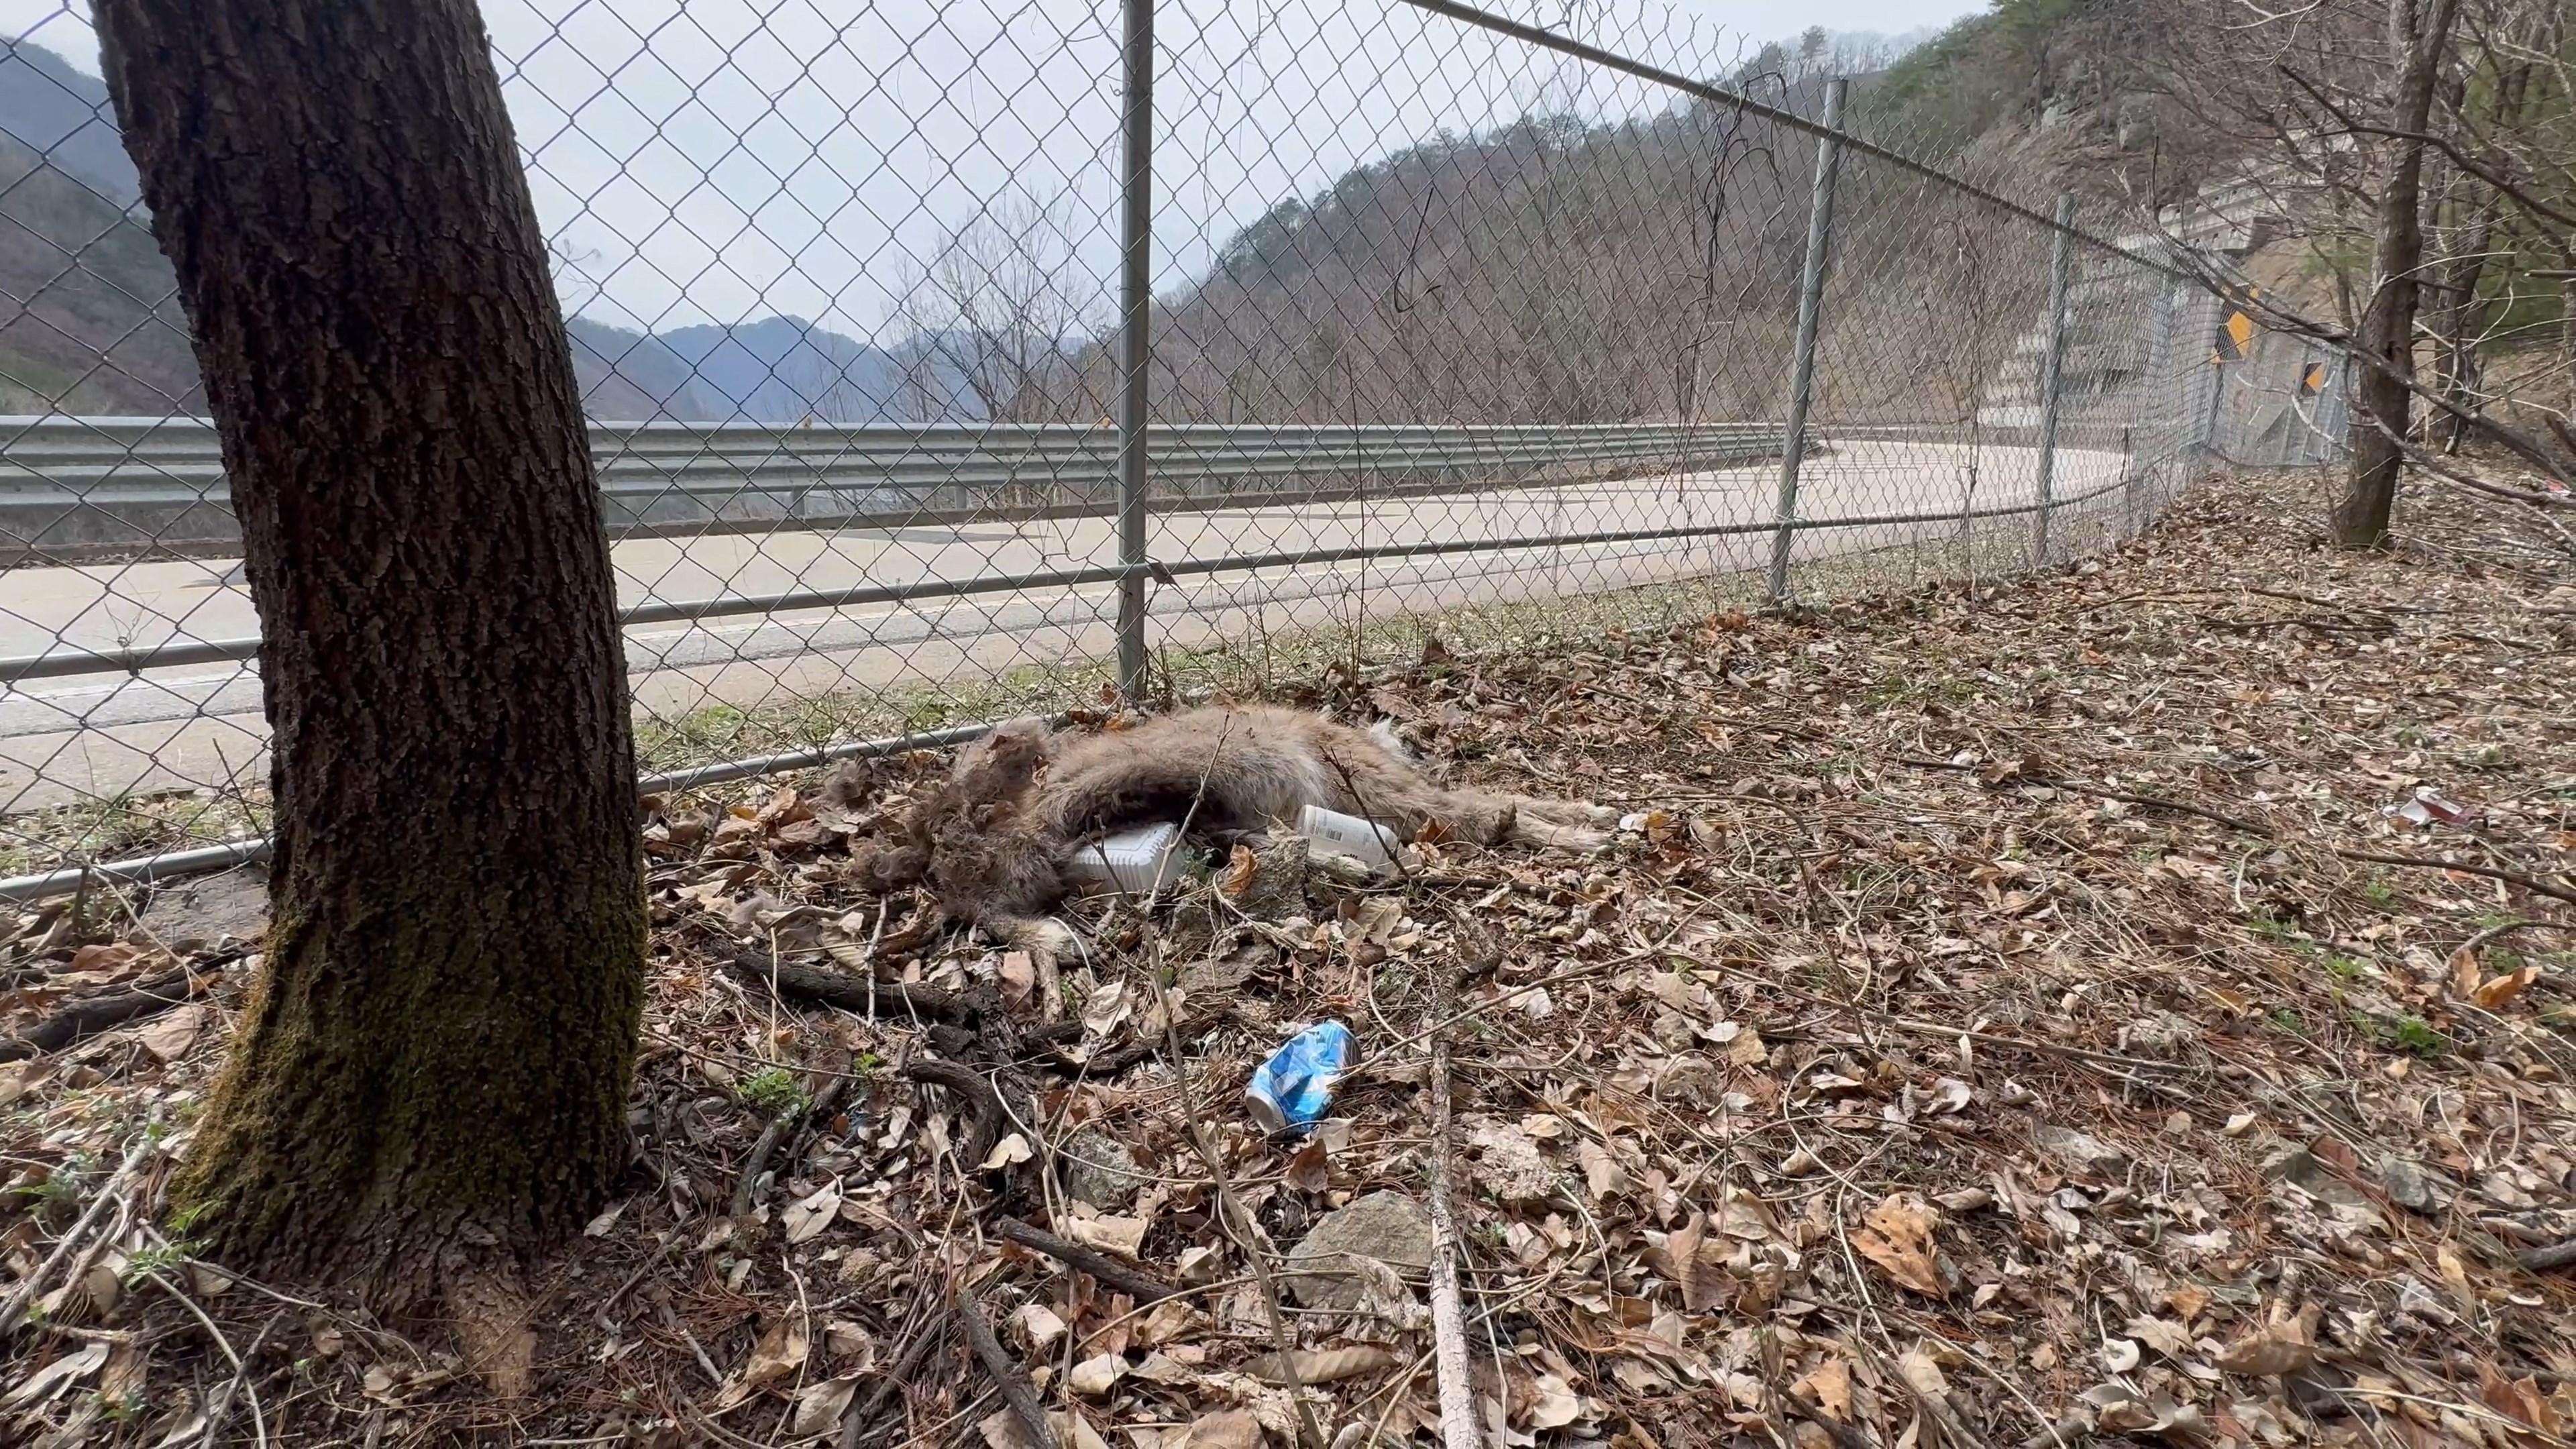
(720,160)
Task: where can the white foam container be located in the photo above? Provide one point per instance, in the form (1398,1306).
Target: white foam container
(1134,861)
(1337,834)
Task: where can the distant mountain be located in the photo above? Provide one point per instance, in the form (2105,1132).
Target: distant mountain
(89,322)
(56,110)
(629,377)
(787,370)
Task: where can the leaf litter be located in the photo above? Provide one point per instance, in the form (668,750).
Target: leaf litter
(2129,1001)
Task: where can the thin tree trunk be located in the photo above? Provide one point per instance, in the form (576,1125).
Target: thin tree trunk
(432,1069)
(2463,317)
(2379,422)
(2460,319)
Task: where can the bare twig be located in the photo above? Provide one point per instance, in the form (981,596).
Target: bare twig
(863,1412)
(850,993)
(1013,1381)
(1458,1419)
(110,1191)
(1143,1287)
(980,1099)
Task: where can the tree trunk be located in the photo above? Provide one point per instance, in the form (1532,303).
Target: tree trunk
(2458,323)
(2387,339)
(2461,324)
(433,1062)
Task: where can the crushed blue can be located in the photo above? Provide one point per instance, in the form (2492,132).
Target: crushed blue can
(1293,1088)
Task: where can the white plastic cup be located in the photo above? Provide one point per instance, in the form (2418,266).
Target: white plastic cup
(1339,834)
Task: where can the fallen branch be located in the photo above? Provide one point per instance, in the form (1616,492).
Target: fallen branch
(851,993)
(1017,1391)
(94,1014)
(2542,1260)
(1459,1423)
(2498,932)
(860,1414)
(981,1100)
(1143,1287)
(770,1136)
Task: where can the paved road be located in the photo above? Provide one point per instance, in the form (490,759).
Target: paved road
(61,739)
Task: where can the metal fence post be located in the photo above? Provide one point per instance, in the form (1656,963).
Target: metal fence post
(1135,344)
(1802,360)
(2052,365)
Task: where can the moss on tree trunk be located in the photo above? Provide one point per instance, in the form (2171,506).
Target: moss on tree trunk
(433,1064)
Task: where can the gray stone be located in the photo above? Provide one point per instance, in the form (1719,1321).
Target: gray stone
(2415,1187)
(2297,1165)
(1387,1227)
(189,914)
(2080,1151)
(1100,1170)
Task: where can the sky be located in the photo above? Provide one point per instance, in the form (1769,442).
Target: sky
(721,160)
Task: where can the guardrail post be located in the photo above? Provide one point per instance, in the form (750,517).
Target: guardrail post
(1802,358)
(2052,364)
(1135,345)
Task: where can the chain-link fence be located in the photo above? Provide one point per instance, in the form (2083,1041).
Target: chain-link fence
(948,360)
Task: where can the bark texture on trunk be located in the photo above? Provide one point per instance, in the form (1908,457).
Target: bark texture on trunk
(434,1058)
(2419,36)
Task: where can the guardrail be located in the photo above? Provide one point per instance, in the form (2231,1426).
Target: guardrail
(75,490)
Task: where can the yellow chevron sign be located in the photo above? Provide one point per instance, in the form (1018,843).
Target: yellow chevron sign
(2236,330)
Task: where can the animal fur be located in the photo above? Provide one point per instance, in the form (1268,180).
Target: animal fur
(994,839)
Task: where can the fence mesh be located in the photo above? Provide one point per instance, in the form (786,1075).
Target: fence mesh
(1449,331)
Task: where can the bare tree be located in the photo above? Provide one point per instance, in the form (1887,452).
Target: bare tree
(996,316)
(2420,32)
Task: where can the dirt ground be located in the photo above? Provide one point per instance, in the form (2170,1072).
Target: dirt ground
(2131,1002)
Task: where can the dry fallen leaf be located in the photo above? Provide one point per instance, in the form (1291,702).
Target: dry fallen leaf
(1036,1326)
(806,1218)
(1553,1404)
(1695,1265)
(1898,1239)
(1011,1151)
(50,1380)
(775,1358)
(1232,1429)
(1320,1365)
(169,1038)
(1094,1377)
(1602,1176)
(819,1406)
(1923,1372)
(2493,994)
(1828,1387)
(1121,1236)
(2282,1347)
